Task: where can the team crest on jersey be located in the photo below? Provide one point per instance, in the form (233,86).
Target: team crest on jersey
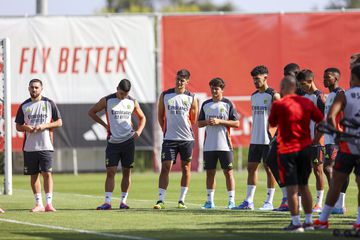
(222,109)
(128,106)
(185,102)
(28,110)
(43,108)
(265,101)
(171,102)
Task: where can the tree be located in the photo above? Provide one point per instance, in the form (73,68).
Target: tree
(115,6)
(339,4)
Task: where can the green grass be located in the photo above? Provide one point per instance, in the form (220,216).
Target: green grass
(76,197)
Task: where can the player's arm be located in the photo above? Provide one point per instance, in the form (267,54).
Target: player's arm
(194,111)
(99,106)
(24,128)
(226,123)
(56,119)
(273,118)
(20,123)
(318,116)
(272,130)
(232,122)
(55,124)
(142,119)
(202,122)
(337,106)
(161,112)
(276,97)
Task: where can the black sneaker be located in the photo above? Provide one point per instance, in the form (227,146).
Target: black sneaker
(308,226)
(294,228)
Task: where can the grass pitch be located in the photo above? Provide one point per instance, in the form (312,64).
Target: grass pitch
(76,198)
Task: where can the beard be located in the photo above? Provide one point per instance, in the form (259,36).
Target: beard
(34,95)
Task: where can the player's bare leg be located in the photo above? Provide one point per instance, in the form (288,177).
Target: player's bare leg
(36,188)
(230,185)
(163,183)
(185,183)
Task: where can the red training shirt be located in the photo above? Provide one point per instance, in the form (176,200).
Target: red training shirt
(292,115)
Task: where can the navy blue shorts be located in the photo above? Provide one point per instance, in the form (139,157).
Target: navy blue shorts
(124,152)
(211,158)
(36,162)
(317,155)
(171,148)
(346,162)
(258,152)
(331,151)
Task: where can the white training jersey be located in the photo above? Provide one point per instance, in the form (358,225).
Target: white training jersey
(261,105)
(118,116)
(177,115)
(217,138)
(37,113)
(352,111)
(318,98)
(329,139)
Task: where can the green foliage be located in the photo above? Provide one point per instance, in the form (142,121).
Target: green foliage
(339,4)
(144,6)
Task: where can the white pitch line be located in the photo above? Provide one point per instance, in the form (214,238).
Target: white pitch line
(76,230)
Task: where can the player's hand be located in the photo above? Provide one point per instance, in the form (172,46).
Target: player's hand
(30,129)
(214,121)
(137,134)
(39,128)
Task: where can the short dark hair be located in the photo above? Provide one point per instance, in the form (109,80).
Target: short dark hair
(217,82)
(332,70)
(304,74)
(356,71)
(125,85)
(261,69)
(183,72)
(291,68)
(35,80)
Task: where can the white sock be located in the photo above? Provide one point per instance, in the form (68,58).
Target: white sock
(319,197)
(108,197)
(49,197)
(183,193)
(250,193)
(162,193)
(358,216)
(284,192)
(210,195)
(124,196)
(270,195)
(325,213)
(296,220)
(308,218)
(38,199)
(340,203)
(231,195)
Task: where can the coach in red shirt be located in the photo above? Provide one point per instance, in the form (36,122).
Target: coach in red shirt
(292,115)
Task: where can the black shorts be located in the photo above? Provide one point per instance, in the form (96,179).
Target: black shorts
(36,162)
(258,152)
(272,161)
(295,168)
(316,155)
(123,152)
(331,151)
(171,148)
(211,158)
(345,163)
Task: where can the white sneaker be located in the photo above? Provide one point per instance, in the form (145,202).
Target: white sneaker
(267,207)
